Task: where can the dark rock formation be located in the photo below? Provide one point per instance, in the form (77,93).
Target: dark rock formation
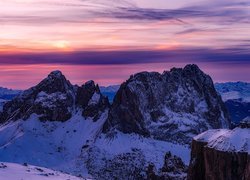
(173,168)
(90,99)
(174,106)
(221,155)
(55,99)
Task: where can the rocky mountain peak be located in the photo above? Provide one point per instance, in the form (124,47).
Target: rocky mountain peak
(55,82)
(174,106)
(55,99)
(56,73)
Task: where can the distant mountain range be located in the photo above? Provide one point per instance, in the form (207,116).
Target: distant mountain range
(6,95)
(110,91)
(234,91)
(236,96)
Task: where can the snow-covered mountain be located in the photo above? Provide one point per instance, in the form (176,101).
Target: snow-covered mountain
(60,126)
(173,106)
(12,171)
(236,96)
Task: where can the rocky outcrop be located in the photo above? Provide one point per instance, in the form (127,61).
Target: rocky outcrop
(221,155)
(173,106)
(173,168)
(55,99)
(91,100)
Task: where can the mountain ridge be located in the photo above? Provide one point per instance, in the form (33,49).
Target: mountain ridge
(64,127)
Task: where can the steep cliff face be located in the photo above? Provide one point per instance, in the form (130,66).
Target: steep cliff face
(173,106)
(55,99)
(221,154)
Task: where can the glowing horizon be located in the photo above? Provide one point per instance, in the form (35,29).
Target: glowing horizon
(123,34)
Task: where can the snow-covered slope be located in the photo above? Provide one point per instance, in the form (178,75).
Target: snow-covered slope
(236,140)
(129,155)
(12,171)
(221,154)
(77,147)
(56,145)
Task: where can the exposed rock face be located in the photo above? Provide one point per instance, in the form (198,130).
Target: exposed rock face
(173,106)
(173,168)
(90,99)
(221,154)
(55,99)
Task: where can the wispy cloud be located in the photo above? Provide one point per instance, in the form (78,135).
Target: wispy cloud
(234,54)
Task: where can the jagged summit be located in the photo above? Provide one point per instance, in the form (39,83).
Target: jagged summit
(175,105)
(55,99)
(56,73)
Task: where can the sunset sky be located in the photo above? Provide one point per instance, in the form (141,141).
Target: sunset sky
(107,40)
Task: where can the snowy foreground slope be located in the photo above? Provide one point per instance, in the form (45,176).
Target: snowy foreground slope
(75,146)
(56,145)
(12,171)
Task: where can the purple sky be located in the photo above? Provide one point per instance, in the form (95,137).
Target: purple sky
(107,40)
